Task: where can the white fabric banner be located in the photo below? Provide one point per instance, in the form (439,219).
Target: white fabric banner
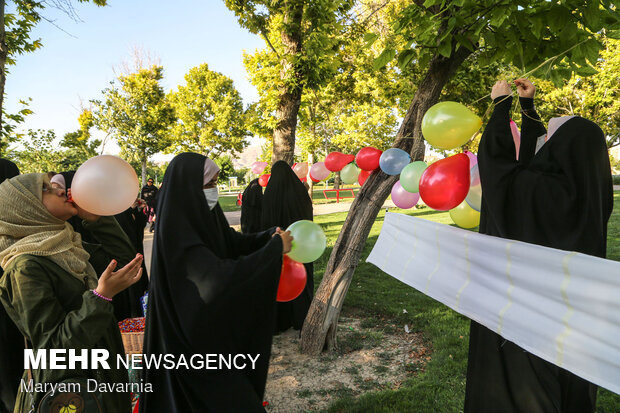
(561,306)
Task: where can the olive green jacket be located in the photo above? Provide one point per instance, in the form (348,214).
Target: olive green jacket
(55,310)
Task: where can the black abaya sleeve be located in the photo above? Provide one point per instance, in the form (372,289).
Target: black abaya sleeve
(244,244)
(561,199)
(531,128)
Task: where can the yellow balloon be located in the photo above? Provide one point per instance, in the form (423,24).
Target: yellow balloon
(448,125)
(465,216)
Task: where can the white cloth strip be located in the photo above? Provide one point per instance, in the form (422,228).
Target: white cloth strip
(561,306)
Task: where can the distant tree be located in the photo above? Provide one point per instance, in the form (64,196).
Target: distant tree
(210,114)
(227,168)
(78,145)
(137,113)
(39,154)
(15,39)
(302,36)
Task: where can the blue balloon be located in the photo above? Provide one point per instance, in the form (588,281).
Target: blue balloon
(393,161)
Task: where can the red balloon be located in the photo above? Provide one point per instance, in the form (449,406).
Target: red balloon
(367,158)
(361,178)
(335,161)
(292,280)
(263,180)
(445,183)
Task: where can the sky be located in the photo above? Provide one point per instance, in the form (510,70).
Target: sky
(76,64)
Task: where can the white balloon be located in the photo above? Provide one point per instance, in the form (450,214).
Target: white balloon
(105,185)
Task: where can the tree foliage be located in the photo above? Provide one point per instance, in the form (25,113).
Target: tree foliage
(137,113)
(210,114)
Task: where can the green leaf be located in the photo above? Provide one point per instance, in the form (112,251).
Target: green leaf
(445,48)
(370,38)
(429,3)
(405,57)
(384,58)
(464,41)
(586,71)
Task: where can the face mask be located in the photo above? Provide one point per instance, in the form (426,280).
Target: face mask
(211,196)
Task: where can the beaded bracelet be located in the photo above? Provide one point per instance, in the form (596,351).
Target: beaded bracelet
(101,296)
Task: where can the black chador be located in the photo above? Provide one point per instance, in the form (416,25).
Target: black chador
(11,340)
(286,201)
(559,197)
(251,208)
(212,291)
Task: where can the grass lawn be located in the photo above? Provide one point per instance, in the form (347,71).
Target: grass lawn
(377,298)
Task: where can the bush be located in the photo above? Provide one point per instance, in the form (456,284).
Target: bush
(616,179)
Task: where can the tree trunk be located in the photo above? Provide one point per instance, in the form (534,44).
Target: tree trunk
(320,326)
(292,84)
(3,55)
(337,180)
(144,170)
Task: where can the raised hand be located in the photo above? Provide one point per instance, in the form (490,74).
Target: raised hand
(113,282)
(525,88)
(500,88)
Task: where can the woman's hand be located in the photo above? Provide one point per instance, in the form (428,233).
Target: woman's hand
(525,88)
(113,282)
(500,88)
(287,241)
(85,215)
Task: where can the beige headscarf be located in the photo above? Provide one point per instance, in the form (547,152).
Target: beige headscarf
(27,227)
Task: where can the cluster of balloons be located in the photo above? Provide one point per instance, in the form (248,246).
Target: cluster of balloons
(105,185)
(450,184)
(308,245)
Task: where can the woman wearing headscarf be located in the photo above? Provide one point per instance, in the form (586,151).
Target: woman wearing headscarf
(286,201)
(127,302)
(212,291)
(11,342)
(50,289)
(557,194)
(251,208)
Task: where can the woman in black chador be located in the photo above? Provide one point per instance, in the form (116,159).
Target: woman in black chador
(11,340)
(286,200)
(559,196)
(212,291)
(251,208)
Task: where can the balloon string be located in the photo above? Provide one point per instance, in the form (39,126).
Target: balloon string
(550,60)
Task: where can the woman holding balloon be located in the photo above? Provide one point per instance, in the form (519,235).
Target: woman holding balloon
(559,196)
(286,201)
(50,289)
(213,291)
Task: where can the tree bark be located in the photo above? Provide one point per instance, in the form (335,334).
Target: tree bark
(144,171)
(292,84)
(3,55)
(320,326)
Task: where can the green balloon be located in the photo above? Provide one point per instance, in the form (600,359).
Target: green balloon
(309,241)
(448,125)
(410,176)
(349,174)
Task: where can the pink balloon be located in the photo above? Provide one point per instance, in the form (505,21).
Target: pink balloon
(318,171)
(473,159)
(516,136)
(301,169)
(402,198)
(258,167)
(105,185)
